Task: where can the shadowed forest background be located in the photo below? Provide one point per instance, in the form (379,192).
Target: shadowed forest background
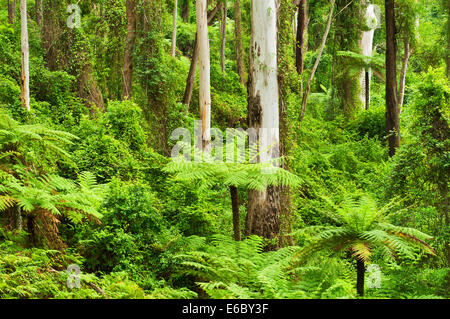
(359,94)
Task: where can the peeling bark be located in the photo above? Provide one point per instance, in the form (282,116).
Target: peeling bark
(263,214)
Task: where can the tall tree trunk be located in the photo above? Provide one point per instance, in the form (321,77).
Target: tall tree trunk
(11,11)
(236,216)
(129,48)
(238,38)
(360,271)
(204,73)
(174,29)
(185,11)
(366,46)
(263,114)
(39,10)
(402,81)
(316,64)
(302,31)
(25,78)
(191,75)
(223,35)
(392,112)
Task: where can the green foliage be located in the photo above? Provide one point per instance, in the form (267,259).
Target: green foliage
(361,228)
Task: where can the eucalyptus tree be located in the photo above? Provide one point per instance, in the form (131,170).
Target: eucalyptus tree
(366,45)
(25,75)
(263,114)
(194,60)
(204,73)
(174,29)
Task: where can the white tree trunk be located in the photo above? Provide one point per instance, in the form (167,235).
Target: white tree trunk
(25,78)
(174,30)
(263,113)
(264,71)
(204,73)
(366,46)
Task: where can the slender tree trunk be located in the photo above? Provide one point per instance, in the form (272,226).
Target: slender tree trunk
(238,38)
(236,216)
(392,112)
(129,48)
(11,11)
(360,271)
(25,78)
(402,81)
(316,64)
(263,214)
(223,35)
(39,10)
(204,73)
(185,11)
(302,30)
(174,29)
(191,75)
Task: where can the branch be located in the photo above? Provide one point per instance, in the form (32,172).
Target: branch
(316,64)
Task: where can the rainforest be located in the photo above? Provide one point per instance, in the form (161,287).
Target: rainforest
(224,149)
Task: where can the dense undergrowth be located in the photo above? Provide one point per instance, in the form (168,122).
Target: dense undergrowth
(93,189)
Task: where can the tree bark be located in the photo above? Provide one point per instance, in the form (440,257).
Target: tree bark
(360,271)
(402,81)
(238,38)
(38,8)
(316,64)
(129,48)
(191,75)
(366,45)
(263,114)
(204,73)
(174,29)
(25,77)
(302,30)
(392,112)
(11,11)
(236,216)
(223,35)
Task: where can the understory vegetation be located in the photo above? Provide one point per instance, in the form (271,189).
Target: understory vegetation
(93,184)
